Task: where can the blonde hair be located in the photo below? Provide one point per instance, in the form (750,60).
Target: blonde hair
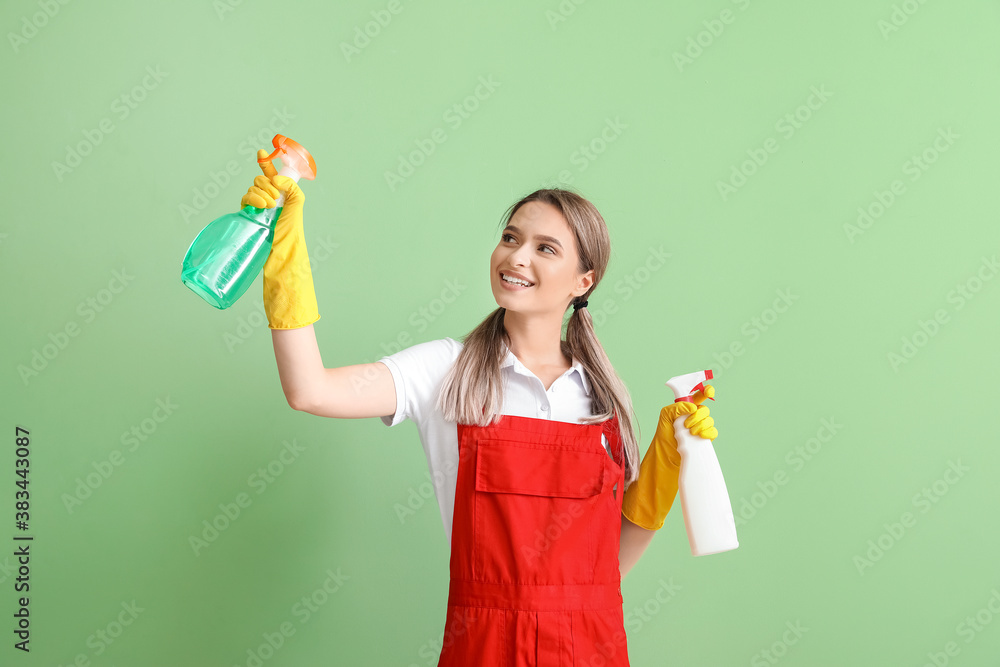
(472,391)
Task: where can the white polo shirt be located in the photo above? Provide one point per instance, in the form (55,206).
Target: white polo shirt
(418,371)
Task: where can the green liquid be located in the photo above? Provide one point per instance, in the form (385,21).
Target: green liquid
(225,258)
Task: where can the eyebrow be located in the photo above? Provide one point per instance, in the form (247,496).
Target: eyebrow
(550,239)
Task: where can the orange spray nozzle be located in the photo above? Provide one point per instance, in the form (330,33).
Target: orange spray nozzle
(292,155)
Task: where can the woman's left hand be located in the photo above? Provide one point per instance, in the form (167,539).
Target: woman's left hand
(700,423)
(648,500)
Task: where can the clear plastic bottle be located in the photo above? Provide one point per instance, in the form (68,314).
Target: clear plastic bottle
(228,254)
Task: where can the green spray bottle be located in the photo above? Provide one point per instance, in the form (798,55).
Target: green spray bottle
(226,256)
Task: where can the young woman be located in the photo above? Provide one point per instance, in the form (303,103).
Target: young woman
(529,437)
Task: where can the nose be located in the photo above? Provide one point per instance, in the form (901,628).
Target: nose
(517,258)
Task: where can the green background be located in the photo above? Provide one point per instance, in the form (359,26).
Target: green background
(818,546)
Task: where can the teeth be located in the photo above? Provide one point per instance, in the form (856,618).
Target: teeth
(515,280)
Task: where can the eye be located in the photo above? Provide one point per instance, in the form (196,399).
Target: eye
(544,245)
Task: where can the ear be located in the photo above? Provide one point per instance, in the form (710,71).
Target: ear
(584,282)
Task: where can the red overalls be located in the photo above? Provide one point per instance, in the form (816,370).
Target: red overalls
(535,580)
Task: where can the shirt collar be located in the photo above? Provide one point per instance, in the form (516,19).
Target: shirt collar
(511,360)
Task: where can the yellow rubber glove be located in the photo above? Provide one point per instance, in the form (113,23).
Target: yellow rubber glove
(289,295)
(649,498)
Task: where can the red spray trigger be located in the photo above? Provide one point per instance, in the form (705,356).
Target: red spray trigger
(293,155)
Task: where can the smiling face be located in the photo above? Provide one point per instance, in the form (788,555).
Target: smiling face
(537,246)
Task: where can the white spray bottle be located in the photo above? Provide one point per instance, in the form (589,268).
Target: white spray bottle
(708,513)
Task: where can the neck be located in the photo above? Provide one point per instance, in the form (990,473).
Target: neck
(535,339)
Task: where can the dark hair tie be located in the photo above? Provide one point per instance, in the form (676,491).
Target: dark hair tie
(581,304)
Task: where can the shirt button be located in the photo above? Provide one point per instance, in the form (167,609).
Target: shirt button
(545,408)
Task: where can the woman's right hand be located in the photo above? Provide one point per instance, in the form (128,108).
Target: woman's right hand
(265,190)
(262,194)
(289,296)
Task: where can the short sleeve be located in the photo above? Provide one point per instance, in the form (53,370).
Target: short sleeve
(417,373)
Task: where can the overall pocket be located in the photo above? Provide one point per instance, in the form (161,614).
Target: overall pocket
(534,510)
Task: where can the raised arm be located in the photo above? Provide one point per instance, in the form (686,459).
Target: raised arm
(351,392)
(348,392)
